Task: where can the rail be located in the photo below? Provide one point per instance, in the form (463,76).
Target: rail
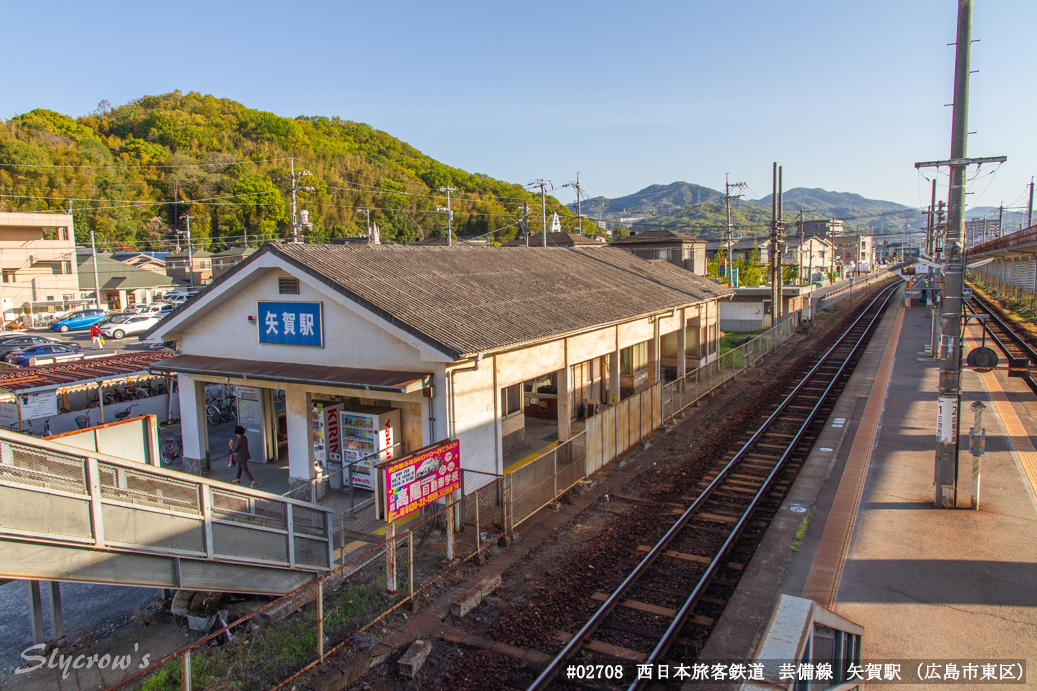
(613,600)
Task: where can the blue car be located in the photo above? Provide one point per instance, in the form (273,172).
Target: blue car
(22,357)
(83,319)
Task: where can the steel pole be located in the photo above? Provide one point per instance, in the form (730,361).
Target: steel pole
(945,476)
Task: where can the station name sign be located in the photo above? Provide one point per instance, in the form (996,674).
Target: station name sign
(291,323)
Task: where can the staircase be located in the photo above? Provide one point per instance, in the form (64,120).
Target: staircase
(73,515)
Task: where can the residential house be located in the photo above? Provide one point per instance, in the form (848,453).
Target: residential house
(676,248)
(199,272)
(120,284)
(558,239)
(143,260)
(743,249)
(224,261)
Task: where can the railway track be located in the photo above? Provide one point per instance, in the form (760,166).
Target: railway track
(1011,344)
(655,615)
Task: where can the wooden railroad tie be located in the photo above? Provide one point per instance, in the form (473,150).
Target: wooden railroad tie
(604,648)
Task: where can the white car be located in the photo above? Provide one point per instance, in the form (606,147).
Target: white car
(131,324)
(153,308)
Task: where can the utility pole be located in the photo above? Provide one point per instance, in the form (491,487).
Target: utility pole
(801,241)
(295,187)
(941,228)
(775,250)
(930,236)
(190,252)
(449,215)
(97,284)
(728,198)
(1001,220)
(525,222)
(579,209)
(1029,207)
(542,184)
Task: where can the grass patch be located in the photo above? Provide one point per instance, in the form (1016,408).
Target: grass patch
(263,656)
(802,532)
(730,341)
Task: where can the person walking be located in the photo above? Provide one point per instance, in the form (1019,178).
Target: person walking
(95,337)
(239,452)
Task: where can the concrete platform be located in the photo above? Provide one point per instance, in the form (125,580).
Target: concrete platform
(925,583)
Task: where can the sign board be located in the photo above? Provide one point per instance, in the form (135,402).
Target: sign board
(9,415)
(947,419)
(38,405)
(734,276)
(319,435)
(291,323)
(249,407)
(418,480)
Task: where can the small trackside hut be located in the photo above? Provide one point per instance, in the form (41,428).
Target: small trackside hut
(502,348)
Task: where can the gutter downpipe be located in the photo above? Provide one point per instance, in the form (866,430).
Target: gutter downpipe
(452,428)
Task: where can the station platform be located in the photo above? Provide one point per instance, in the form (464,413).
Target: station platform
(859,534)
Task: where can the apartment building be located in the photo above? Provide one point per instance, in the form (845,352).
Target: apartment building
(37,261)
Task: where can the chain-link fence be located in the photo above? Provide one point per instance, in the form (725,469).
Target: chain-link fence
(849,289)
(1002,288)
(544,479)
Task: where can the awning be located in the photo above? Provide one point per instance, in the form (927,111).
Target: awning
(292,373)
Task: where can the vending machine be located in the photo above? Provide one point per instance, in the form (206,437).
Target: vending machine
(327,438)
(366,431)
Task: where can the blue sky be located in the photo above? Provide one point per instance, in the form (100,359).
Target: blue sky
(845,95)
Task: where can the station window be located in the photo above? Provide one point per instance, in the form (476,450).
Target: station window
(288,286)
(634,359)
(510,400)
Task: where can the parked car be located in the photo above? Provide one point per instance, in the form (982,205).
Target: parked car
(12,344)
(131,324)
(179,297)
(82,319)
(153,308)
(22,357)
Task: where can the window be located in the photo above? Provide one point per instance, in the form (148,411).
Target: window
(9,276)
(634,359)
(63,233)
(68,297)
(542,385)
(510,400)
(288,286)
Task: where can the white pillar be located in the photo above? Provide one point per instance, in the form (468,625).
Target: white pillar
(565,385)
(613,377)
(682,346)
(193,425)
(300,435)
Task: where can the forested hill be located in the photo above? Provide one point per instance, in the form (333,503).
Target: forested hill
(227,166)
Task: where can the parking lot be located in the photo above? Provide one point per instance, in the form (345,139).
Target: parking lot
(123,345)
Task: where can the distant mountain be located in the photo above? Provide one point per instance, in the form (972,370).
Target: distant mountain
(653,200)
(700,210)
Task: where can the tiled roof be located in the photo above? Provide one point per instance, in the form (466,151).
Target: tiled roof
(236,252)
(77,372)
(561,239)
(113,274)
(466,300)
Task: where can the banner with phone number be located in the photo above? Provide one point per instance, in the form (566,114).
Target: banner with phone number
(418,480)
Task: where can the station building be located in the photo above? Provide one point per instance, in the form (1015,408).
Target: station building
(483,344)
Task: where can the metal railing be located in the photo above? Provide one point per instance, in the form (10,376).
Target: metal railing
(97,501)
(538,483)
(686,391)
(850,288)
(342,605)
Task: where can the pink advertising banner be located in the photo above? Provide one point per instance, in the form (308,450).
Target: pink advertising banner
(421,478)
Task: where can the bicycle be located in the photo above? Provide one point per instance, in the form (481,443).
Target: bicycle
(125,412)
(213,413)
(171,449)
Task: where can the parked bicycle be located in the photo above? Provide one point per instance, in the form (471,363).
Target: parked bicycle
(171,449)
(125,412)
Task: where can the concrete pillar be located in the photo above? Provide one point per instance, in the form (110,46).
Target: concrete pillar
(35,613)
(654,356)
(56,619)
(565,385)
(193,425)
(682,339)
(613,396)
(300,435)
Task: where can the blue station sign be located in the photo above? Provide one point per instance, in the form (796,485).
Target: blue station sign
(291,323)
